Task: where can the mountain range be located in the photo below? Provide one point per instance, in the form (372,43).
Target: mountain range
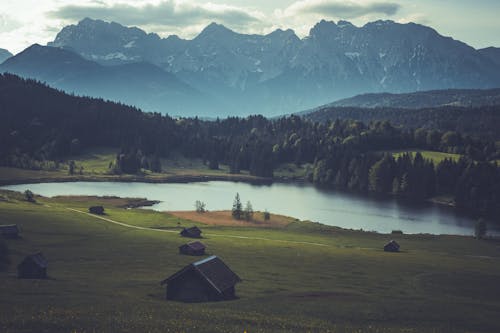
(221,72)
(139,84)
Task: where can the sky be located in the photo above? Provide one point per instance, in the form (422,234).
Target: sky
(25,22)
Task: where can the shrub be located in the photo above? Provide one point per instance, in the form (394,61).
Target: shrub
(29,196)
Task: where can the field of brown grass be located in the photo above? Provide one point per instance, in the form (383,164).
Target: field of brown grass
(224,218)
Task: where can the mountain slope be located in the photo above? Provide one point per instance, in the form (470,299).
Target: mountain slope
(4,55)
(280,73)
(421,99)
(492,53)
(140,84)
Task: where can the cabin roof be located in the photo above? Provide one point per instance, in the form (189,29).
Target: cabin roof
(9,229)
(192,229)
(213,270)
(38,259)
(195,245)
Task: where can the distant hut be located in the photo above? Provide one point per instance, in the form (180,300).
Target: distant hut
(193,232)
(206,280)
(33,266)
(99,210)
(192,249)
(9,231)
(392,246)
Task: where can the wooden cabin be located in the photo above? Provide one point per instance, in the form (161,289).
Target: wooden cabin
(9,231)
(33,266)
(192,249)
(392,246)
(193,232)
(206,280)
(99,210)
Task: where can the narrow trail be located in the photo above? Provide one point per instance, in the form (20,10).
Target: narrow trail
(207,234)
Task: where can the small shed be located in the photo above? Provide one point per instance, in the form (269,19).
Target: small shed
(206,280)
(99,210)
(193,232)
(192,249)
(392,246)
(33,266)
(9,231)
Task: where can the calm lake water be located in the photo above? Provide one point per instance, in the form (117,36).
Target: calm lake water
(304,202)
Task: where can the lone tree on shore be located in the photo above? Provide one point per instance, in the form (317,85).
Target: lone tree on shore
(237,210)
(480,229)
(248,211)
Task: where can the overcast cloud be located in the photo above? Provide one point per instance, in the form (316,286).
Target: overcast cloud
(343,9)
(169,13)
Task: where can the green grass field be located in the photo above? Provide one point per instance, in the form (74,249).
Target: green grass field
(96,162)
(434,156)
(105,277)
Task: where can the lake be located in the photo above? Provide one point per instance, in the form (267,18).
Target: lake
(302,201)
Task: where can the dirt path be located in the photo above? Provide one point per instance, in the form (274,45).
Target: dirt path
(207,234)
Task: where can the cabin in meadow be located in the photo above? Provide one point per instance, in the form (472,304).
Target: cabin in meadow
(99,210)
(9,231)
(392,246)
(206,280)
(193,232)
(33,266)
(192,249)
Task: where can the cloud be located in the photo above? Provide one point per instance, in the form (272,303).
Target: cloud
(166,13)
(416,18)
(341,9)
(8,23)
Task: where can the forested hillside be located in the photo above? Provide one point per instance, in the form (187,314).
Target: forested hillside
(40,126)
(481,121)
(422,99)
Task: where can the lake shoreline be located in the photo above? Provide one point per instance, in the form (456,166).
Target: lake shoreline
(179,179)
(200,178)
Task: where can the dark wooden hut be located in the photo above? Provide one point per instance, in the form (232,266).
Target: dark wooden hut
(392,246)
(9,231)
(192,249)
(99,210)
(193,232)
(206,280)
(33,266)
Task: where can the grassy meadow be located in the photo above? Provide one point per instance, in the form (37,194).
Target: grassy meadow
(95,165)
(435,156)
(300,276)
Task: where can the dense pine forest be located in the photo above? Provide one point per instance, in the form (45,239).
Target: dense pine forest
(478,121)
(40,127)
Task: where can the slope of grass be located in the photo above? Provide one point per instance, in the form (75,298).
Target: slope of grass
(105,277)
(95,167)
(434,156)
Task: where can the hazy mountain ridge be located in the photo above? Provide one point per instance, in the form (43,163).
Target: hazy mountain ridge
(4,55)
(280,73)
(140,84)
(421,99)
(492,53)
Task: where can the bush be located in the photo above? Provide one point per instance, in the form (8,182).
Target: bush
(267,215)
(200,206)
(29,196)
